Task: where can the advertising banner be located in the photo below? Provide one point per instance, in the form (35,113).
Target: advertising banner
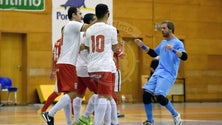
(60,8)
(22,5)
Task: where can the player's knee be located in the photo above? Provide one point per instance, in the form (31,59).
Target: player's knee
(147,97)
(162,100)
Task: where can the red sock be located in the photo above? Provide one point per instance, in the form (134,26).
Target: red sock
(49,101)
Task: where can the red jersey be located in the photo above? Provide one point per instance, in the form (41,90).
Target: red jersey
(56,51)
(118,53)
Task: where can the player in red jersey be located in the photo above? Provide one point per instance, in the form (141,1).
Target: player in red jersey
(56,53)
(119,53)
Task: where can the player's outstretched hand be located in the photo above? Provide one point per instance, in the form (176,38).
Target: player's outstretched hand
(138,42)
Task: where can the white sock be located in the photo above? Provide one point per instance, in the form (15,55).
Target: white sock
(100,111)
(107,118)
(77,104)
(68,113)
(114,118)
(90,106)
(65,99)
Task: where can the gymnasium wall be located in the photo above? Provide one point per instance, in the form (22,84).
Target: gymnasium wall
(36,27)
(198,23)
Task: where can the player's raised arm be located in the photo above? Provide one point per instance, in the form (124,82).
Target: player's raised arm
(148,50)
(182,55)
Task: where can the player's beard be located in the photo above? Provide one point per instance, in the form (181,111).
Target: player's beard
(165,35)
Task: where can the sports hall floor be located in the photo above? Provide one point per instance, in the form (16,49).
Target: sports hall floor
(192,114)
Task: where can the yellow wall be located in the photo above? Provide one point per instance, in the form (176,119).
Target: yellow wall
(37,29)
(198,23)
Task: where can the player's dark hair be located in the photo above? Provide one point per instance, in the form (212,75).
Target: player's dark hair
(88,17)
(71,11)
(117,31)
(101,10)
(170,25)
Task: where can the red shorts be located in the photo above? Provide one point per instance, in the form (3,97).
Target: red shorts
(104,81)
(67,80)
(86,82)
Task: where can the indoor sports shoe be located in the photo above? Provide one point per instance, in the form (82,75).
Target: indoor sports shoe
(78,123)
(147,123)
(47,118)
(177,120)
(85,120)
(119,115)
(44,115)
